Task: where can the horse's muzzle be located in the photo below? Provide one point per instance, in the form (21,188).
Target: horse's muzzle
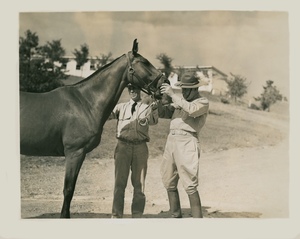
(158,95)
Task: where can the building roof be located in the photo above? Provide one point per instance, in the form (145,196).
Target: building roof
(73,57)
(203,67)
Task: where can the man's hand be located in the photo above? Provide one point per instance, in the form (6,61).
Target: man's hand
(166,89)
(175,106)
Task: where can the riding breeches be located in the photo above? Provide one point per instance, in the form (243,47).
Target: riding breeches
(181,160)
(128,157)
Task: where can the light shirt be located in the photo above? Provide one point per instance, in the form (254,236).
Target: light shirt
(184,115)
(134,127)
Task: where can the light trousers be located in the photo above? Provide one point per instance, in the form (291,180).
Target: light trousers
(181,160)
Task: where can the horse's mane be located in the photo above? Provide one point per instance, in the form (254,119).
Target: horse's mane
(97,71)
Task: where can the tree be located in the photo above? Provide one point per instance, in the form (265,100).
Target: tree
(269,96)
(81,56)
(35,75)
(166,61)
(54,53)
(104,59)
(237,86)
(28,46)
(180,71)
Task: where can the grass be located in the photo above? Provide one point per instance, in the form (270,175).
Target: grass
(227,126)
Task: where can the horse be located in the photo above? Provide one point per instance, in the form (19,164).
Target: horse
(68,121)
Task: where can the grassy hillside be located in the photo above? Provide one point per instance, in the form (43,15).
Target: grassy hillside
(227,126)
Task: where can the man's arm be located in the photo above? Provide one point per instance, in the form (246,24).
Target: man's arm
(195,108)
(115,113)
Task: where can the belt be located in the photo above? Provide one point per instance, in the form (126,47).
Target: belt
(133,142)
(183,132)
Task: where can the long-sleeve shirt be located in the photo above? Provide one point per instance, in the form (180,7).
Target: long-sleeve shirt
(187,116)
(134,127)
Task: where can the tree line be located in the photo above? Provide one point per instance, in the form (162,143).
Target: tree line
(41,69)
(237,86)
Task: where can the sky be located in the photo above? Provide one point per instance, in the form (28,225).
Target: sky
(252,44)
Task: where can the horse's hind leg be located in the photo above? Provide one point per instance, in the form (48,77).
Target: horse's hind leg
(74,161)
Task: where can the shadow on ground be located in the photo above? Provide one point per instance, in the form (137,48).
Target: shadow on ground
(186,213)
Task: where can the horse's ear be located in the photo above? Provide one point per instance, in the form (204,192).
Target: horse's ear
(135,47)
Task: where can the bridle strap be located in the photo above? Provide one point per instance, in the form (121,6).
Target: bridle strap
(131,72)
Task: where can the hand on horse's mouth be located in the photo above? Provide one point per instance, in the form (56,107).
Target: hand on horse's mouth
(158,95)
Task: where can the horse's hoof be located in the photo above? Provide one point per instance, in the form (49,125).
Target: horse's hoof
(65,216)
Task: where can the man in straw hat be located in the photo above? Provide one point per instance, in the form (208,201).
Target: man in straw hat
(182,153)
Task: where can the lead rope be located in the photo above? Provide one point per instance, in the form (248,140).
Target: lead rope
(143,121)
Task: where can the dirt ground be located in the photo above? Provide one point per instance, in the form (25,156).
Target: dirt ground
(234,183)
(247,182)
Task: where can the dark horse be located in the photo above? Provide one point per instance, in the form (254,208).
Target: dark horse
(69,120)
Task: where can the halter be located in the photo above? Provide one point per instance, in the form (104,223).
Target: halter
(146,87)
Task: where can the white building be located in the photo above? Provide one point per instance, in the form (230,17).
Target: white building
(71,67)
(215,79)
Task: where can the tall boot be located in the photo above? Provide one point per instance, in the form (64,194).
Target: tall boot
(174,202)
(195,205)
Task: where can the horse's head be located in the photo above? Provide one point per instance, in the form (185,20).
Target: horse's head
(143,74)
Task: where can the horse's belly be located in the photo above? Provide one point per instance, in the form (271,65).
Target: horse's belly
(40,142)
(38,152)
(39,135)
(41,148)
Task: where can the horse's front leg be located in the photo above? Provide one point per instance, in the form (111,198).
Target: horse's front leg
(74,161)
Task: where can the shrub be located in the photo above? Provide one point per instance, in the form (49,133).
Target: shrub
(224,100)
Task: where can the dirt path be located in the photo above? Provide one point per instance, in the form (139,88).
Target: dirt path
(247,180)
(236,183)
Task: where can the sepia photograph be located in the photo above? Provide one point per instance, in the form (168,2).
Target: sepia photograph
(241,59)
(134,116)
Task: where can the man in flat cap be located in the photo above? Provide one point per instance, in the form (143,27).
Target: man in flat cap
(182,150)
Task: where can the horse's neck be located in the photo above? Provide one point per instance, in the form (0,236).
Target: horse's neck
(104,88)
